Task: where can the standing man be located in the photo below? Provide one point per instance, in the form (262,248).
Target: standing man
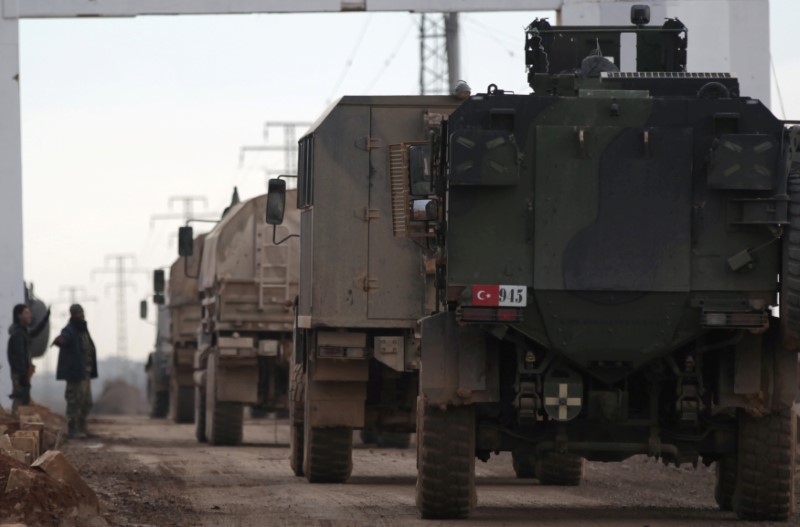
(19,353)
(77,364)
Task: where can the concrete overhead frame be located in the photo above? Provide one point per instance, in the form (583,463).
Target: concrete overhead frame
(725,35)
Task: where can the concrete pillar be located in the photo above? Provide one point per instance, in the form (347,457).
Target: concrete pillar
(724,35)
(11,278)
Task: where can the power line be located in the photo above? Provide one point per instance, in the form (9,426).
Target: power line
(76,292)
(187,206)
(487,32)
(390,58)
(777,86)
(289,131)
(121,266)
(349,62)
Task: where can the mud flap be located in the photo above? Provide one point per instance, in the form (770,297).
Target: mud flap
(456,368)
(233,379)
(336,391)
(760,376)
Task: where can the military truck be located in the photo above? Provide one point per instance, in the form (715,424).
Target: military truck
(157,366)
(247,285)
(610,252)
(361,289)
(183,303)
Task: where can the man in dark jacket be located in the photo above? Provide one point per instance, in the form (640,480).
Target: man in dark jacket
(77,364)
(20,335)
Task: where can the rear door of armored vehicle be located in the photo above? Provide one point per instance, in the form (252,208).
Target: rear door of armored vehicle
(395,268)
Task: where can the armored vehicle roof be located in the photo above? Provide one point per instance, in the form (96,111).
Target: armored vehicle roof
(381,100)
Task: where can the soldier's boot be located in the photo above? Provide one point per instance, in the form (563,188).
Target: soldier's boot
(82,431)
(72,429)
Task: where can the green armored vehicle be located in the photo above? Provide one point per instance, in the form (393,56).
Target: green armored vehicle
(610,251)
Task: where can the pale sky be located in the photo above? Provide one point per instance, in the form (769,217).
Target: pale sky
(120,114)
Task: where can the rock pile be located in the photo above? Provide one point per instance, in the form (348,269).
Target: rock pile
(38,486)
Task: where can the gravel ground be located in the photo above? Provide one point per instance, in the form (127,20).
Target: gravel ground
(153,472)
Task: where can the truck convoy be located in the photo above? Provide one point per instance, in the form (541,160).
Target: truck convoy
(247,285)
(598,271)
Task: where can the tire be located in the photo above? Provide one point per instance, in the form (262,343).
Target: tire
(446,462)
(296,421)
(182,399)
(726,482)
(560,469)
(224,421)
(524,464)
(200,414)
(160,405)
(393,440)
(765,476)
(790,276)
(328,454)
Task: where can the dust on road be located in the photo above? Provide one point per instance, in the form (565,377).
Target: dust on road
(153,472)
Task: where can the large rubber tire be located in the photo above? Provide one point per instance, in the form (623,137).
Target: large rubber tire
(393,440)
(790,276)
(726,482)
(560,469)
(446,462)
(224,422)
(765,481)
(296,421)
(524,464)
(182,407)
(328,454)
(200,414)
(160,405)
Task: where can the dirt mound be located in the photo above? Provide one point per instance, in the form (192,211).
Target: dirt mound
(120,398)
(47,502)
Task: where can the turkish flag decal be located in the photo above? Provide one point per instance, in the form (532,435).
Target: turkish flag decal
(486,295)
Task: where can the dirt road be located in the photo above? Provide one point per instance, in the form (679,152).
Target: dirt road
(149,472)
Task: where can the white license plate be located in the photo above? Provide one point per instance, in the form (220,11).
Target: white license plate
(513,296)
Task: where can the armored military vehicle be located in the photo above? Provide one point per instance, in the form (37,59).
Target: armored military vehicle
(610,251)
(247,285)
(361,289)
(157,366)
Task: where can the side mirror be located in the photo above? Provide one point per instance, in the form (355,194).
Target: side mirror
(143,309)
(159,282)
(276,201)
(185,241)
(424,210)
(640,15)
(419,168)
